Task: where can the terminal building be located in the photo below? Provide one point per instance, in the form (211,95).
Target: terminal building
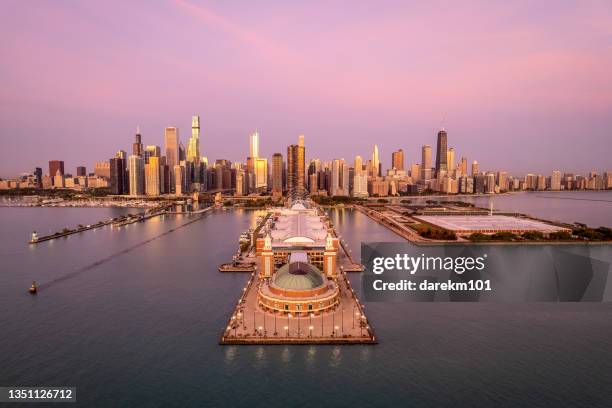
(297,257)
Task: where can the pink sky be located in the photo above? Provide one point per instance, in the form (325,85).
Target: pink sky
(520,86)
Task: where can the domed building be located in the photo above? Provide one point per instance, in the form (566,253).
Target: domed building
(298,287)
(299,244)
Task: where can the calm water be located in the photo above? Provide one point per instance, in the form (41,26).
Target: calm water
(593,208)
(141,329)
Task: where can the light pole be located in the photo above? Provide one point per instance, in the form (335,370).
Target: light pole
(333,322)
(287,330)
(310,328)
(288,324)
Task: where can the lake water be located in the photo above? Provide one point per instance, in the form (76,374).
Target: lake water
(140,328)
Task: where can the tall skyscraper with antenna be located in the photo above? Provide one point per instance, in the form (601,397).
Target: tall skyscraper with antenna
(137,148)
(442,152)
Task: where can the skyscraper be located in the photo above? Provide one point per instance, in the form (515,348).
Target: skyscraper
(339,178)
(254,145)
(360,179)
(261,174)
(555,180)
(81,171)
(171,141)
(296,166)
(193,148)
(136,174)
(397,160)
(54,166)
(277,174)
(137,145)
(441,152)
(376,171)
(475,169)
(118,179)
(426,162)
(450,159)
(152,176)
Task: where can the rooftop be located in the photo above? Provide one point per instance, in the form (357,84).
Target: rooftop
(488,223)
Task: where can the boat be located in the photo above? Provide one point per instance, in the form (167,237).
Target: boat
(33,289)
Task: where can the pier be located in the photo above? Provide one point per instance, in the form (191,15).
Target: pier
(288,299)
(114,222)
(346,324)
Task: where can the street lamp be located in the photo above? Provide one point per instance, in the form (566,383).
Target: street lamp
(310,328)
(287,330)
(288,323)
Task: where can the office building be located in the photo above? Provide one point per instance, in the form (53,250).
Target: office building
(137,149)
(152,177)
(426,162)
(442,152)
(296,167)
(397,160)
(118,176)
(136,175)
(277,174)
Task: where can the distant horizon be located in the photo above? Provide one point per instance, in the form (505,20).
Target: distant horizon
(520,87)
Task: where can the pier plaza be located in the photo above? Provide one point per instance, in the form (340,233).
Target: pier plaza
(299,292)
(489,224)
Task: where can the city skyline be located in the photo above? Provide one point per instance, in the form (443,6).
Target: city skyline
(498,77)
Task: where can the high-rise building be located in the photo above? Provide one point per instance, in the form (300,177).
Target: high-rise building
(136,174)
(475,169)
(296,166)
(118,179)
(376,171)
(261,174)
(81,171)
(254,145)
(55,166)
(277,174)
(339,178)
(360,179)
(171,141)
(193,148)
(450,159)
(102,169)
(426,162)
(358,165)
(38,176)
(555,180)
(179,179)
(152,177)
(463,166)
(415,172)
(137,145)
(441,152)
(502,180)
(397,160)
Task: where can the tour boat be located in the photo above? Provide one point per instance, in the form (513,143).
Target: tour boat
(33,289)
